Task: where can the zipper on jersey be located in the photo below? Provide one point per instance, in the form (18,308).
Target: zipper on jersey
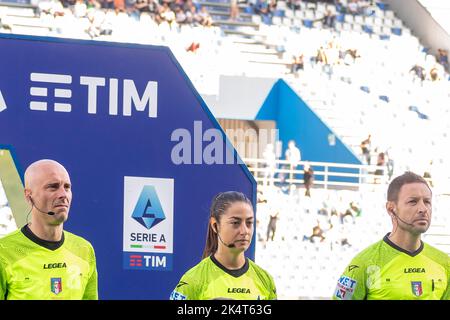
(432,284)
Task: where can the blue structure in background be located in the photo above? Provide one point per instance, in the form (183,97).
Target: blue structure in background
(296,121)
(108,113)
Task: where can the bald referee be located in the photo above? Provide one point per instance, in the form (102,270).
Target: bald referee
(41,261)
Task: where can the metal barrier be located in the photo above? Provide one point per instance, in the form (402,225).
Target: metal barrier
(327,175)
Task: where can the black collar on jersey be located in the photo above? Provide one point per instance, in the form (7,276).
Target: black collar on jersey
(235,273)
(51,245)
(396,247)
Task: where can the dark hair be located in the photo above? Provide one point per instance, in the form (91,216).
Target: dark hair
(400,181)
(219,205)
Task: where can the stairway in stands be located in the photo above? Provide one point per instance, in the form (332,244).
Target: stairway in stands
(248,34)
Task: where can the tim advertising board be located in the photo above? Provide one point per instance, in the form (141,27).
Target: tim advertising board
(144,153)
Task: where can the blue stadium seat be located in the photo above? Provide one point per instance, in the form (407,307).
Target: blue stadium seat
(340,17)
(367,29)
(249,10)
(365,89)
(384,98)
(308,23)
(266,19)
(397,31)
(279,13)
(382,6)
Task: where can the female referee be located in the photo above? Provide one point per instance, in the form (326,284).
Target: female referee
(225,272)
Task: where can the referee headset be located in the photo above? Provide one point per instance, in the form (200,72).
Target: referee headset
(50,213)
(394,215)
(216,230)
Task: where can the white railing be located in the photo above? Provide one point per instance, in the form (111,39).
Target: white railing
(327,175)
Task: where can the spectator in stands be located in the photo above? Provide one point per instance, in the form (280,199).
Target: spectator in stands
(365,148)
(353,7)
(321,56)
(270,165)
(4,26)
(166,14)
(258,231)
(389,164)
(93,29)
(294,156)
(80,9)
(107,4)
(93,4)
(328,19)
(206,19)
(234,10)
(224,264)
(294,4)
(350,56)
(180,16)
(340,8)
(355,209)
(147,6)
(272,226)
(419,72)
(308,178)
(297,64)
(187,5)
(443,58)
(317,233)
(409,204)
(381,162)
(427,173)
(119,6)
(434,74)
(262,8)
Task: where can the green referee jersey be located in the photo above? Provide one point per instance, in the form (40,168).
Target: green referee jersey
(34,269)
(210,280)
(385,271)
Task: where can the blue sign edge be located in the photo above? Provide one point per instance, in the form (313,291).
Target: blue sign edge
(183,74)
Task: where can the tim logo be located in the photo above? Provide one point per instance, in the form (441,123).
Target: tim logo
(56,285)
(135,260)
(148,211)
(416,287)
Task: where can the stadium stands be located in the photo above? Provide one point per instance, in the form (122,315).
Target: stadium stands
(365,85)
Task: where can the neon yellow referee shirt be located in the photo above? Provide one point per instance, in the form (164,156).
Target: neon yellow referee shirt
(34,269)
(210,280)
(385,271)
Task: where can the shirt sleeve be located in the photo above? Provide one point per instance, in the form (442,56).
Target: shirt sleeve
(446,295)
(186,289)
(273,290)
(351,285)
(3,281)
(91,291)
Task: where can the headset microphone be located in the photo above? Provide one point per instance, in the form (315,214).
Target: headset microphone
(409,224)
(50,213)
(225,244)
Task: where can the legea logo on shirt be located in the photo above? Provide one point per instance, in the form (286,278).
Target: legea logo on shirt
(148,223)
